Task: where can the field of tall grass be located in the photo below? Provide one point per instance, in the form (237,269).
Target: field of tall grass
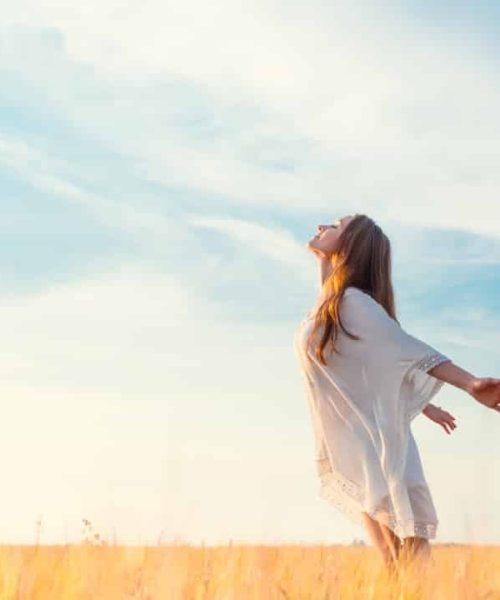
(97,570)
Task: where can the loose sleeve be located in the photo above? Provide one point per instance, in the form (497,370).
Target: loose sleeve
(396,352)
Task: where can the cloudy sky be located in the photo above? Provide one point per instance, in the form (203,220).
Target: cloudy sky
(162,165)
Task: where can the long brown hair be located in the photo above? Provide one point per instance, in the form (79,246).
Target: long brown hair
(362,259)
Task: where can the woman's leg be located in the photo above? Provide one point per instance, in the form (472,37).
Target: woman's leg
(393,541)
(416,547)
(380,540)
(394,550)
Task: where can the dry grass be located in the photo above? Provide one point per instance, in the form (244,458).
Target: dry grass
(96,570)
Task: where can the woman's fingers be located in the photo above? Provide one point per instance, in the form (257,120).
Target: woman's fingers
(448,424)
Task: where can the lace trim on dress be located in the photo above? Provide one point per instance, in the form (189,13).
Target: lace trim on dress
(431,360)
(347,496)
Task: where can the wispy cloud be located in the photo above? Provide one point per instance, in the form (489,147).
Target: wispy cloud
(273,242)
(42,172)
(355,117)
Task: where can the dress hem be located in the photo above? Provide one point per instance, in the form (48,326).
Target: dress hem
(347,496)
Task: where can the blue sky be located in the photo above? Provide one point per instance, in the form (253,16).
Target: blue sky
(162,167)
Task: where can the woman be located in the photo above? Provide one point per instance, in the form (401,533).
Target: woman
(366,379)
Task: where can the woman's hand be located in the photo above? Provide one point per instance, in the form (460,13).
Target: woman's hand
(440,416)
(486,390)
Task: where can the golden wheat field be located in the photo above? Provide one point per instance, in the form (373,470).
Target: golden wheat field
(96,570)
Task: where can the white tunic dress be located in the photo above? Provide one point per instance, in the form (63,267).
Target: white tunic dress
(362,403)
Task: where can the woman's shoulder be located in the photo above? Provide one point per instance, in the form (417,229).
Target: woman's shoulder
(350,289)
(359,299)
(353,298)
(362,308)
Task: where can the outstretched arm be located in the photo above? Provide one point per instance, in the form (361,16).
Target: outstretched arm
(486,390)
(453,374)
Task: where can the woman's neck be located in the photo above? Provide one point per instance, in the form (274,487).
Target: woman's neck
(325,270)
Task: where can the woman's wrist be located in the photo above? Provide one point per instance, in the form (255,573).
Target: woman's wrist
(454,375)
(469,385)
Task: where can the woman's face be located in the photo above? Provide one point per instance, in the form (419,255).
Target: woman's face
(325,240)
